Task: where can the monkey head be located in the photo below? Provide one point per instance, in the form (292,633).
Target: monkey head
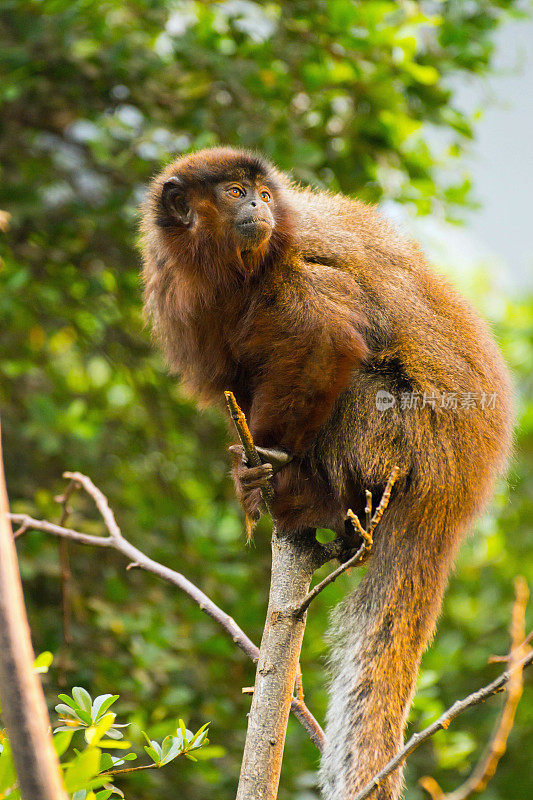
(242,208)
(223,205)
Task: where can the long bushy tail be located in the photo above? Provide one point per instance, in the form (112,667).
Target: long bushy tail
(378,637)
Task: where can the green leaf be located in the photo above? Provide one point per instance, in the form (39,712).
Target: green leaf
(171,748)
(62,740)
(114,734)
(82,698)
(74,710)
(153,754)
(43,661)
(70,728)
(94,733)
(68,700)
(101,704)
(183,730)
(111,744)
(7,769)
(82,769)
(106,762)
(199,736)
(63,709)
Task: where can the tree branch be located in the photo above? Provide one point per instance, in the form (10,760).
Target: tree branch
(366,535)
(243,432)
(443,722)
(294,560)
(293,564)
(116,541)
(310,596)
(21,693)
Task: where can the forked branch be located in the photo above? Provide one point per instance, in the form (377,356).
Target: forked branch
(365,533)
(117,541)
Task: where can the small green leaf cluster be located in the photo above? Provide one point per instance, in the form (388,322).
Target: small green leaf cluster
(172,746)
(88,772)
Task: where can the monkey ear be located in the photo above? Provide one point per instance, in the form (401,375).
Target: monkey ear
(175,202)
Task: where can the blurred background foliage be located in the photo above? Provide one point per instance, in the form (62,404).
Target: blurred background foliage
(96,95)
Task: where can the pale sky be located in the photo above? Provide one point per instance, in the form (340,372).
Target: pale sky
(501,159)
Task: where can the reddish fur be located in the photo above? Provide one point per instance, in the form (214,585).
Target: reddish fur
(305,331)
(233,321)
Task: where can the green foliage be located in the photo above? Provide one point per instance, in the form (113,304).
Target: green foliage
(87,773)
(352,96)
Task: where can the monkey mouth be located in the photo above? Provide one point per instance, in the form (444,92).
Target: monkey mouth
(254,229)
(253,222)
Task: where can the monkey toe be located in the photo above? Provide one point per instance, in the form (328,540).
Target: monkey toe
(256,477)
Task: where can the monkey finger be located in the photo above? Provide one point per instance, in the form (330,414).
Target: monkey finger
(259,483)
(256,476)
(251,504)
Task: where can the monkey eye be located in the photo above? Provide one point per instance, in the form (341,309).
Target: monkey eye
(236,191)
(266,196)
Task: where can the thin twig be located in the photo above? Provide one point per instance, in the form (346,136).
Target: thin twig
(499,659)
(29,523)
(365,533)
(384,502)
(252,456)
(488,763)
(368,508)
(442,723)
(308,599)
(100,500)
(117,541)
(112,772)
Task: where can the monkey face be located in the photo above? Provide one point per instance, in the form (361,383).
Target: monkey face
(245,206)
(221,211)
(238,210)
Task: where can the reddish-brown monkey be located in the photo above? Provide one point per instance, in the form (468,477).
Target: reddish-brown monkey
(345,350)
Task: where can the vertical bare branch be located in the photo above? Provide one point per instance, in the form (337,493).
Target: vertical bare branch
(292,570)
(23,705)
(294,561)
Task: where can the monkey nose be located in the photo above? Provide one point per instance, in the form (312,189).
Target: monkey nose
(253,203)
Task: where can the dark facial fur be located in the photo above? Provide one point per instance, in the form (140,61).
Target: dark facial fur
(324,306)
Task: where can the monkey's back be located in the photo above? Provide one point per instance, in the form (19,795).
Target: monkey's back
(434,396)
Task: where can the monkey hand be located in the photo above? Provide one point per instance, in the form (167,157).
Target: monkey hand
(250,480)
